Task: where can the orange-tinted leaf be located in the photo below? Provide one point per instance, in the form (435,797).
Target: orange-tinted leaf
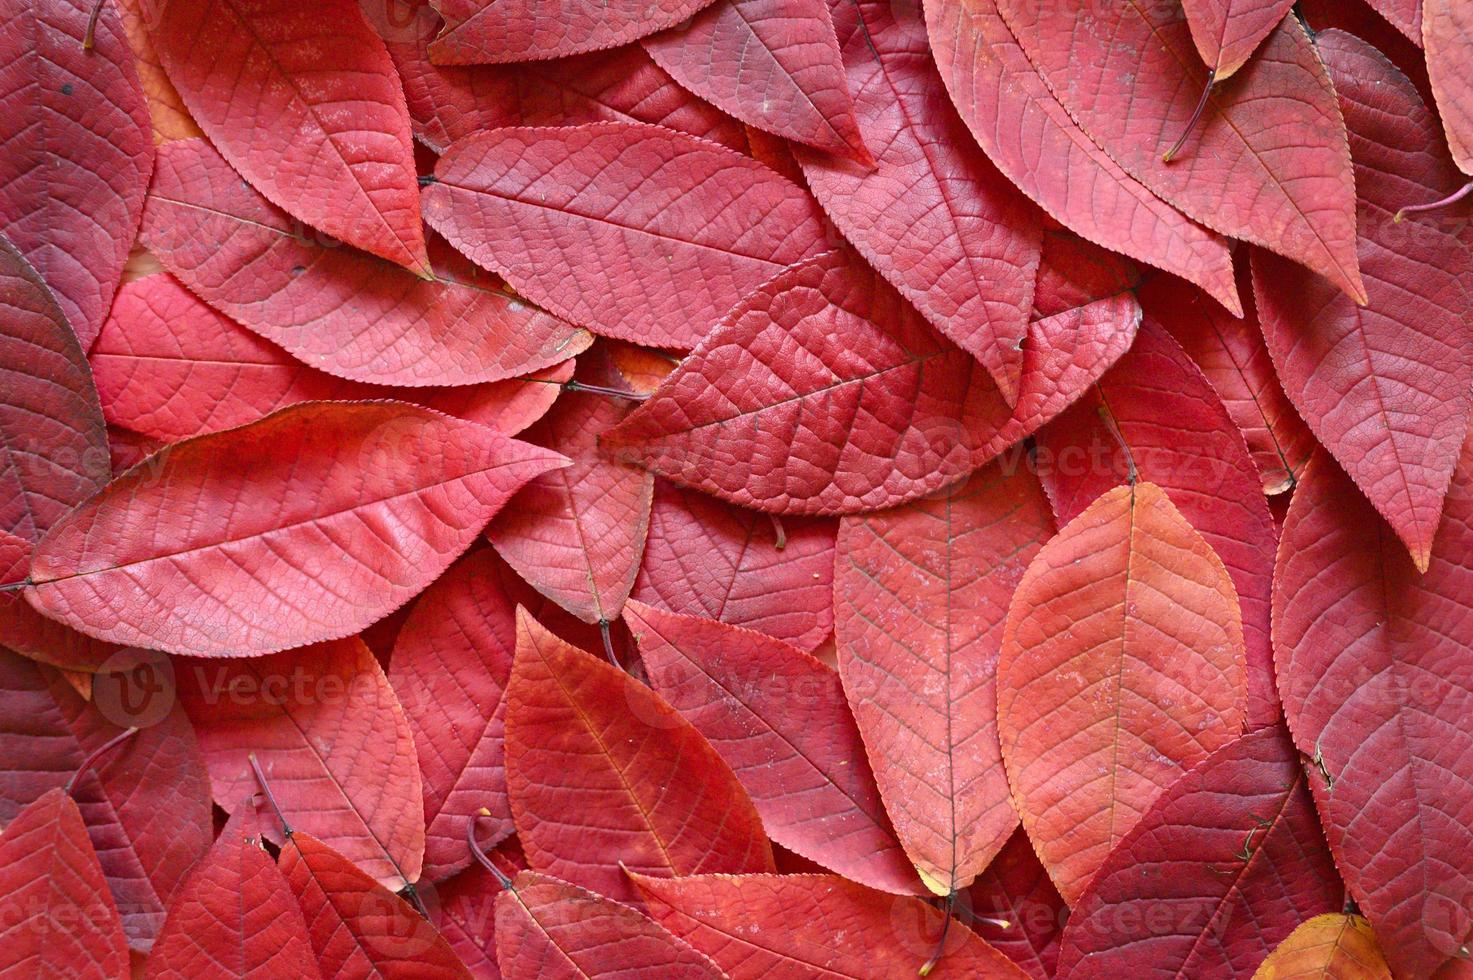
(168,366)
(1227,32)
(1373,659)
(773,64)
(304,102)
(146,801)
(704,557)
(1386,387)
(1232,848)
(1328,947)
(778,717)
(171,120)
(576,534)
(332,740)
(359,930)
(77,150)
(1177,434)
(1231,353)
(450,668)
(823,392)
(813,926)
(602,773)
(631,230)
(332,307)
(1121,668)
(547,928)
(57,918)
(1267,162)
(931,214)
(481,31)
(1018,122)
(922,591)
(234,918)
(307,525)
(451,102)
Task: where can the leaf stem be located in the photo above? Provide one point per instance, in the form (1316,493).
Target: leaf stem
(603,629)
(1448,201)
(779,535)
(98,753)
(940,950)
(286,828)
(16,586)
(1196,116)
(634,396)
(1132,476)
(91,33)
(480,855)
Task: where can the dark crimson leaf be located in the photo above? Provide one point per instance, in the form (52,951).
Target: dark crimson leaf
(1015,907)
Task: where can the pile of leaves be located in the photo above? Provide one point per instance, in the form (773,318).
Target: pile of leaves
(736,488)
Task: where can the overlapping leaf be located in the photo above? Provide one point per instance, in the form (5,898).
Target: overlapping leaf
(704,557)
(304,102)
(931,214)
(146,801)
(1327,947)
(634,231)
(823,392)
(482,31)
(1232,848)
(1014,906)
(921,594)
(305,526)
(1155,413)
(773,64)
(1227,32)
(756,926)
(1386,387)
(1446,28)
(778,717)
(1373,661)
(331,739)
(604,775)
(1121,668)
(549,928)
(334,308)
(57,917)
(77,152)
(1266,163)
(1019,122)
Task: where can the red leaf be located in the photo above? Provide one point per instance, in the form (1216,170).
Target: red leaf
(1404,15)
(357,927)
(169,366)
(1180,437)
(1387,387)
(54,452)
(824,393)
(576,534)
(450,668)
(307,525)
(922,594)
(932,215)
(1234,359)
(1373,660)
(773,64)
(1121,667)
(56,915)
(1015,907)
(1227,32)
(1018,121)
(1232,849)
(704,557)
(547,928)
(448,103)
(466,911)
(801,926)
(1267,162)
(146,800)
(335,309)
(1447,27)
(331,739)
(235,917)
(303,101)
(1076,272)
(481,31)
(634,231)
(604,775)
(778,717)
(77,153)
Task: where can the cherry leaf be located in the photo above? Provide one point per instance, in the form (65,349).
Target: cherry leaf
(1333,946)
(1014,906)
(482,31)
(1227,32)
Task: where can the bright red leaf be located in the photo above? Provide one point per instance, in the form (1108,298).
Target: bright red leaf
(481,31)
(1227,32)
